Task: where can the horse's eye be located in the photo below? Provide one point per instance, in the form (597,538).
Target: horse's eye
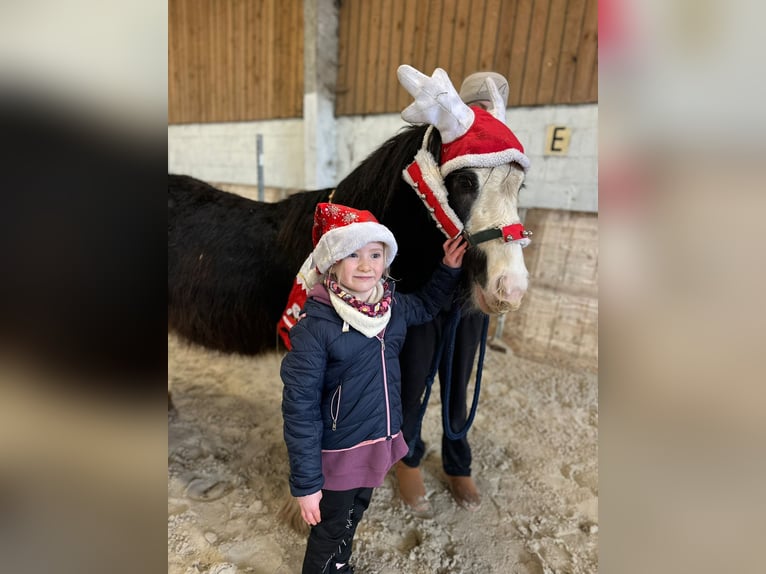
(466,181)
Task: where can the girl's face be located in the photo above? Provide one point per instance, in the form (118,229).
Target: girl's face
(359,272)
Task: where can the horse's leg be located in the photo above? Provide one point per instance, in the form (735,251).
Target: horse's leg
(456,454)
(416,360)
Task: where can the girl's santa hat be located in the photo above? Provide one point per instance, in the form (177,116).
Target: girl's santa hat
(338,231)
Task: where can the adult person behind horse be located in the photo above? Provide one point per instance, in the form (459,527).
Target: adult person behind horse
(456,453)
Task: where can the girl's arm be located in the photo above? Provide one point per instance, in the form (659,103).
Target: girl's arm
(303,375)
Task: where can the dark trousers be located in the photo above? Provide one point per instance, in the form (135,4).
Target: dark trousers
(416,362)
(330,540)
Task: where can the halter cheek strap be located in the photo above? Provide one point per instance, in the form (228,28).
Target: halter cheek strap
(425,178)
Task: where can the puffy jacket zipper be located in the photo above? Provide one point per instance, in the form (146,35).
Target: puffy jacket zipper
(334,412)
(385,382)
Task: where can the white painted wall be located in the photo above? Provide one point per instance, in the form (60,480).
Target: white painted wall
(226,152)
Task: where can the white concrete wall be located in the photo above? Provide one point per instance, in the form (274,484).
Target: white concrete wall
(226,152)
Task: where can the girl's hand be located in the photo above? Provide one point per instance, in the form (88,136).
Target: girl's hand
(454,249)
(310,508)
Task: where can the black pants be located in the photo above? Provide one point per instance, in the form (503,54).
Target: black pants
(416,362)
(330,540)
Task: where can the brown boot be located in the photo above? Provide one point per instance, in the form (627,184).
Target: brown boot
(464,492)
(413,491)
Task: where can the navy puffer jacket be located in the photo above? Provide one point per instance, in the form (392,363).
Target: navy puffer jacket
(341,389)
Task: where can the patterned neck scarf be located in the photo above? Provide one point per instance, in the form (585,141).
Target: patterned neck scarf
(378,308)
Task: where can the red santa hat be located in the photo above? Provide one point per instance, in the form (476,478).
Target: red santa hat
(338,231)
(487,143)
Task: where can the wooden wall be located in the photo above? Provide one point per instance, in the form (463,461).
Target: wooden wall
(558,319)
(234,60)
(547,48)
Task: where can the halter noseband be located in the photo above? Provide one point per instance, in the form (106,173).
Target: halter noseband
(509,234)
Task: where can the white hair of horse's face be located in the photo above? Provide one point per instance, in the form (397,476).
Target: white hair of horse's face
(496,206)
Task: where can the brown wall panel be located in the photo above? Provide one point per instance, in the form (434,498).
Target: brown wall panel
(569,48)
(239,60)
(586,79)
(234,60)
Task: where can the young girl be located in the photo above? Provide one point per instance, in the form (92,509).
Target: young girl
(341,402)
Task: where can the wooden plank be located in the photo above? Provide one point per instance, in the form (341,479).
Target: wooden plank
(199,14)
(234,58)
(593,92)
(474,30)
(354,45)
(294,31)
(272,51)
(446,35)
(489,35)
(395,58)
(281,60)
(344,57)
(299,46)
(411,42)
(534,54)
(363,49)
(519,50)
(502,59)
(457,66)
(585,78)
(372,68)
(433,35)
(551,51)
(384,58)
(569,47)
(173,55)
(212,52)
(249,83)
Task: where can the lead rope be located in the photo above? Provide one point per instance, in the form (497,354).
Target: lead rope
(449,341)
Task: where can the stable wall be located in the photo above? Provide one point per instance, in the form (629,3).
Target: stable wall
(225,152)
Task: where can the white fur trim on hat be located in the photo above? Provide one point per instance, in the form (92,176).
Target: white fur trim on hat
(486,160)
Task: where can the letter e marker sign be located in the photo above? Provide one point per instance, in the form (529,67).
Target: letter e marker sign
(557,140)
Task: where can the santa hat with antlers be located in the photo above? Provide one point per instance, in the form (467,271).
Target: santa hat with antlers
(471,137)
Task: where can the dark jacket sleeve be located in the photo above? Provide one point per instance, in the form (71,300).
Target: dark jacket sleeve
(425,303)
(302,372)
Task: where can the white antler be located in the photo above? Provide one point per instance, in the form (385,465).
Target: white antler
(436,102)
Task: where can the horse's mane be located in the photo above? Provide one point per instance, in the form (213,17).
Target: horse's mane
(297,221)
(374,182)
(372,185)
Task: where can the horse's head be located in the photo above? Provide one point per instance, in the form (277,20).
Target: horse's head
(469,175)
(487,199)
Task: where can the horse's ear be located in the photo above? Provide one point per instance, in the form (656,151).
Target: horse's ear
(497,109)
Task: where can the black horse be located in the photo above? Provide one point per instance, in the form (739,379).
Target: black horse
(232,261)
